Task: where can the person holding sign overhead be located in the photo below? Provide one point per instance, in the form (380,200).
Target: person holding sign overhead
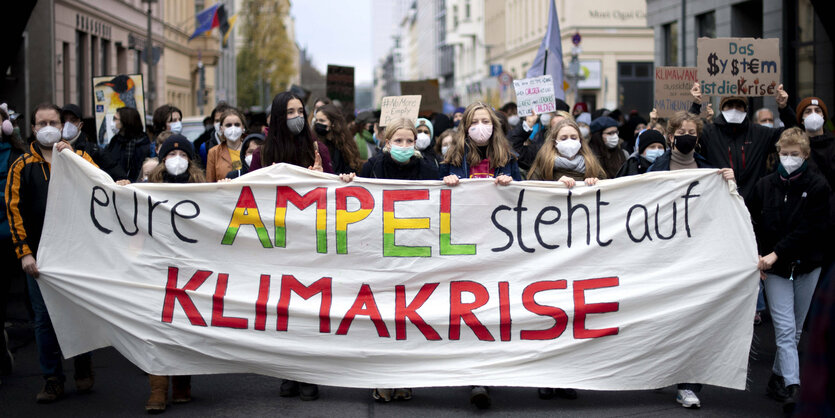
(732,141)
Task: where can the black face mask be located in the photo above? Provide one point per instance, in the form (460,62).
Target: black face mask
(685,143)
(320,128)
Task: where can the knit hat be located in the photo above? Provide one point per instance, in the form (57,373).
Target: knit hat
(810,101)
(724,100)
(459,110)
(424,121)
(602,123)
(582,106)
(73,109)
(650,136)
(176,142)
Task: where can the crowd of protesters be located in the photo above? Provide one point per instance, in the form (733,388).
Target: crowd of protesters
(783,166)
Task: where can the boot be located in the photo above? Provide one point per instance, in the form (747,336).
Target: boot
(776,388)
(83,373)
(289,389)
(159,394)
(181,392)
(53,389)
(308,391)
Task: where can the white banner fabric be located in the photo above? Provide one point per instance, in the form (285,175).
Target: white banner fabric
(636,283)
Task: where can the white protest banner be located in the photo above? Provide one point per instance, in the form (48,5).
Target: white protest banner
(635,283)
(397,107)
(738,66)
(535,95)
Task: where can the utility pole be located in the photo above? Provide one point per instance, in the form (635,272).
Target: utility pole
(149,59)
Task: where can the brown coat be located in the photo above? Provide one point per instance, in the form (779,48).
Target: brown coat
(218,163)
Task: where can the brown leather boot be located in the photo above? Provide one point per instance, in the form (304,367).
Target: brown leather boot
(159,394)
(182,389)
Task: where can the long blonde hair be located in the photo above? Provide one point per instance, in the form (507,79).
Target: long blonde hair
(395,126)
(543,166)
(498,147)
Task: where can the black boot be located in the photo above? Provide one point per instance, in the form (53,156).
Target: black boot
(289,389)
(776,388)
(308,392)
(793,392)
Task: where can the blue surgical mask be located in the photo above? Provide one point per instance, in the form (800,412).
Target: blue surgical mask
(402,154)
(652,154)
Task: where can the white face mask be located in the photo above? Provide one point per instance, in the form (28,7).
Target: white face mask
(233,133)
(568,148)
(813,122)
(248,160)
(734,116)
(585,131)
(217,127)
(111,126)
(767,124)
(545,119)
(444,149)
(612,140)
(423,141)
(176,127)
(48,136)
(513,120)
(652,154)
(70,131)
(791,163)
(176,165)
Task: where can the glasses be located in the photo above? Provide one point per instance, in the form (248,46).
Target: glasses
(43,124)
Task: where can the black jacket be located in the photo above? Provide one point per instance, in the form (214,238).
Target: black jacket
(789,217)
(525,148)
(129,154)
(635,165)
(743,147)
(384,167)
(101,157)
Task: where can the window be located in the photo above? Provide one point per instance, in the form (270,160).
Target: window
(454,17)
(805,49)
(80,39)
(671,44)
(104,57)
(467,10)
(94,55)
(706,25)
(65,51)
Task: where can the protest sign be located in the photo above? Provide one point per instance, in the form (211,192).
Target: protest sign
(110,92)
(339,84)
(385,283)
(429,92)
(672,90)
(396,107)
(535,95)
(739,66)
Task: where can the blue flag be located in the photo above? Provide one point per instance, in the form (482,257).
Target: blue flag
(549,57)
(205,21)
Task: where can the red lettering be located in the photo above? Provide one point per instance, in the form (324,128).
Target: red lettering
(504,311)
(174,293)
(364,304)
(459,310)
(218,320)
(261,303)
(581,309)
(403,311)
(290,284)
(559,316)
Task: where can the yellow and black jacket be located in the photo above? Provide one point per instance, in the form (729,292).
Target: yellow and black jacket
(26,190)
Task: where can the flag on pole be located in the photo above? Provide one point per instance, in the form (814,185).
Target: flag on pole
(227,28)
(206,20)
(549,57)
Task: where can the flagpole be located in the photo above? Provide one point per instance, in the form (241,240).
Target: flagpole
(545,64)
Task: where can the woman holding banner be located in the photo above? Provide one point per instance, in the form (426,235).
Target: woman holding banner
(790,212)
(330,127)
(289,139)
(566,158)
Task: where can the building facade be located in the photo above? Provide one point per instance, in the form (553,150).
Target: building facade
(806,48)
(465,33)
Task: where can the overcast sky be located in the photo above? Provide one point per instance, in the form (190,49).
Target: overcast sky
(336,32)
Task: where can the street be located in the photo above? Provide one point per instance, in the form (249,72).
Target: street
(121,390)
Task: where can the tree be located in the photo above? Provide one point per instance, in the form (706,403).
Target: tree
(265,63)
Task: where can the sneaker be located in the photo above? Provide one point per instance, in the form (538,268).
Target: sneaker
(688,399)
(402,394)
(479,397)
(289,389)
(776,388)
(6,357)
(382,394)
(53,389)
(83,374)
(793,392)
(308,391)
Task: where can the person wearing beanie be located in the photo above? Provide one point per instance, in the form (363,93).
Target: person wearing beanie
(812,115)
(177,164)
(733,141)
(251,143)
(651,144)
(426,141)
(457,115)
(605,143)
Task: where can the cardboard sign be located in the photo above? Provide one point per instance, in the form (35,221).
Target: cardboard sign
(110,92)
(396,107)
(739,66)
(428,90)
(535,95)
(340,86)
(672,89)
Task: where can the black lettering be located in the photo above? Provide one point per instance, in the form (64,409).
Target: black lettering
(539,220)
(687,198)
(174,223)
(135,213)
(151,206)
(93,202)
(646,224)
(657,229)
(501,228)
(519,209)
(571,210)
(599,204)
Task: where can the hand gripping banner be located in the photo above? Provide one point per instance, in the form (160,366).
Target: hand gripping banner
(636,283)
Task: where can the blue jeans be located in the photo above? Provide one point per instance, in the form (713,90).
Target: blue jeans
(788,301)
(49,352)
